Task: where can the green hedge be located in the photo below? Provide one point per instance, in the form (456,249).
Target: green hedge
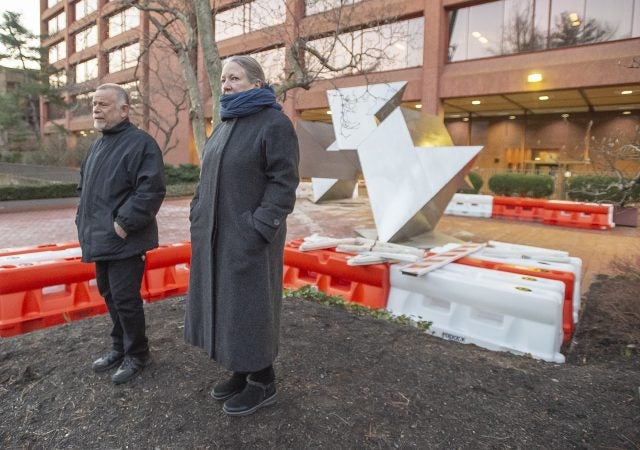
(599,188)
(520,185)
(476,183)
(182,174)
(37,192)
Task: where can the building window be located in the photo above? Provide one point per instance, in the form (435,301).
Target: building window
(514,26)
(86,38)
(392,46)
(82,105)
(51,3)
(134,94)
(87,70)
(85,7)
(123,21)
(124,58)
(251,16)
(317,6)
(57,23)
(57,52)
(272,62)
(58,79)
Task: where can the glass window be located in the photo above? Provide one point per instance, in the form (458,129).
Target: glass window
(87,70)
(85,7)
(520,33)
(124,58)
(58,79)
(529,25)
(485,30)
(230,23)
(249,17)
(57,52)
(636,19)
(391,46)
(57,23)
(611,16)
(51,3)
(318,6)
(82,105)
(86,38)
(123,21)
(265,13)
(272,62)
(459,29)
(134,94)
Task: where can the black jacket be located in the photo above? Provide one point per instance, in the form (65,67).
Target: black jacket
(122,180)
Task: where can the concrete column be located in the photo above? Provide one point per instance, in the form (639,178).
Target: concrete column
(434,57)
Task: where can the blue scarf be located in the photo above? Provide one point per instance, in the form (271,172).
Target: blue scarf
(245,103)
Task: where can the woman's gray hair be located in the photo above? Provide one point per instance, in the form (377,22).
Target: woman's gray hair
(251,67)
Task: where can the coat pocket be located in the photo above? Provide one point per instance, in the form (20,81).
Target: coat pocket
(251,236)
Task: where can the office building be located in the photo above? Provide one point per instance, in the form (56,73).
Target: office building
(539,83)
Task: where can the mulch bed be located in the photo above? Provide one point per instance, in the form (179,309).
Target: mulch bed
(345,381)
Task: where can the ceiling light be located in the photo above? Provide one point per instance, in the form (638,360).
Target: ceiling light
(483,40)
(543,97)
(465,119)
(626,92)
(565,115)
(476,34)
(626,113)
(418,105)
(329,112)
(475,102)
(534,77)
(512,117)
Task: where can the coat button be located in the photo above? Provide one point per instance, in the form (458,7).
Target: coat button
(276,222)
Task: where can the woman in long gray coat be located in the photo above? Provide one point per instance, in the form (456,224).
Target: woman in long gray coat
(238,218)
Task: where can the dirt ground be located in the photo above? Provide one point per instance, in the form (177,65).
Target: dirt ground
(345,381)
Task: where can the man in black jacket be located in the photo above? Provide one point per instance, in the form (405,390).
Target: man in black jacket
(121,189)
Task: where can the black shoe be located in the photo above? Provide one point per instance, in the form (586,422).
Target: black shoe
(108,361)
(130,368)
(253,397)
(227,389)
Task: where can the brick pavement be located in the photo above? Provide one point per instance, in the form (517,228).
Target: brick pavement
(339,219)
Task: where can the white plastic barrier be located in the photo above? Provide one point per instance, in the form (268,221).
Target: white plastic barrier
(492,309)
(533,257)
(52,255)
(470,205)
(538,257)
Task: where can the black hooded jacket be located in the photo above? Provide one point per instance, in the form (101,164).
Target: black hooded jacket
(121,180)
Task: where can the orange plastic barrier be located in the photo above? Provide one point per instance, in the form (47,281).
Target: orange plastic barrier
(579,215)
(519,208)
(567,278)
(166,272)
(40,295)
(37,248)
(329,272)
(48,293)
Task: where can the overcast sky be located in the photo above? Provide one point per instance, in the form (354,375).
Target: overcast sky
(30,18)
(30,10)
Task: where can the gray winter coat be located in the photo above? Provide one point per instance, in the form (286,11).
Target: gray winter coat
(238,217)
(121,180)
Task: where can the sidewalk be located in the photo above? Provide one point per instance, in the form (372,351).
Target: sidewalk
(339,219)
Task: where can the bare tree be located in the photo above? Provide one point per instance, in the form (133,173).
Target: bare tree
(331,43)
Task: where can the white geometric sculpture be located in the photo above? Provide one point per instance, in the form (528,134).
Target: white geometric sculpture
(355,112)
(412,171)
(409,163)
(334,174)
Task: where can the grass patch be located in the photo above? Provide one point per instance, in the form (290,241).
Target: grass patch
(310,292)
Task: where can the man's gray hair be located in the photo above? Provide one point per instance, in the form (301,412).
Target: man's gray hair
(123,96)
(251,67)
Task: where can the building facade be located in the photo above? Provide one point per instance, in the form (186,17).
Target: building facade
(538,83)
